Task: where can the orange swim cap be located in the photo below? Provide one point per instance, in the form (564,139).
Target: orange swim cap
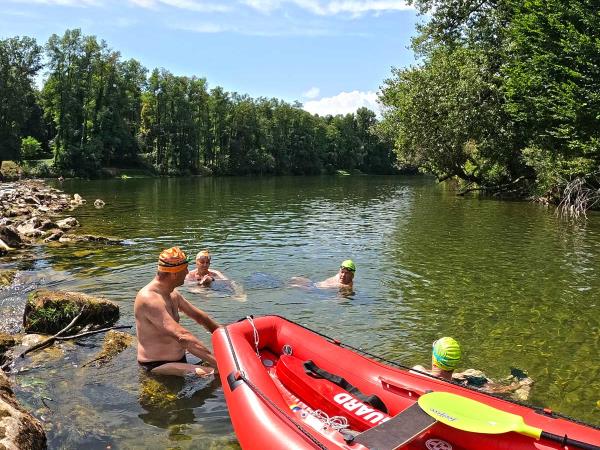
(172,260)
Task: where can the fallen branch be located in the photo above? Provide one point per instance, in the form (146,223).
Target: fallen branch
(498,187)
(51,339)
(88,333)
(46,342)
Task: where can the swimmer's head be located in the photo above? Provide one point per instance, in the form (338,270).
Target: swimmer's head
(172,260)
(446,354)
(348,265)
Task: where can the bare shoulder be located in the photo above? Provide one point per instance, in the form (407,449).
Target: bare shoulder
(147,298)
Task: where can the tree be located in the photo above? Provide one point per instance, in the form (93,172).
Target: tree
(20,61)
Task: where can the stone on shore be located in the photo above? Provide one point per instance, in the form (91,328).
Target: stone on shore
(10,236)
(7,341)
(19,430)
(49,311)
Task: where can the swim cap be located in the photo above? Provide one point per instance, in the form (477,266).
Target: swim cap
(348,264)
(172,260)
(203,254)
(446,353)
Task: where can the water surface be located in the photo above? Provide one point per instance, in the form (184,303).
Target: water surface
(516,285)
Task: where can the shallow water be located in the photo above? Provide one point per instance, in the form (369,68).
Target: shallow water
(517,286)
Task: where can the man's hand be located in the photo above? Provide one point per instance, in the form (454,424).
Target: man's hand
(206,280)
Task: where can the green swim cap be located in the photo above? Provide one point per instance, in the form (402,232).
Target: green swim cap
(348,264)
(446,353)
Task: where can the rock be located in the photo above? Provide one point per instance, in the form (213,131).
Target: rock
(7,276)
(50,311)
(68,223)
(19,430)
(99,203)
(70,238)
(10,236)
(77,200)
(54,236)
(6,341)
(114,343)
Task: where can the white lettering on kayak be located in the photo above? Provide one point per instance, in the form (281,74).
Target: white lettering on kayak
(363,410)
(342,398)
(359,409)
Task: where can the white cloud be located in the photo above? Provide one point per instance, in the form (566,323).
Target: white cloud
(355,8)
(204,28)
(264,6)
(188,5)
(313,92)
(82,3)
(343,103)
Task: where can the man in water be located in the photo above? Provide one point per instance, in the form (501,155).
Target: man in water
(445,356)
(343,279)
(162,341)
(202,274)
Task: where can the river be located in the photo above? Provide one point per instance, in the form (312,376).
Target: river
(515,284)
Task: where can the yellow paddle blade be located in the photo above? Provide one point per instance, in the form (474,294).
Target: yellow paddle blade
(469,415)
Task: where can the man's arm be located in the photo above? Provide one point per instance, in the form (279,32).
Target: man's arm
(329,282)
(197,314)
(156,313)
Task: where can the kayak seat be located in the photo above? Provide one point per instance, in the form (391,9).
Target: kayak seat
(397,432)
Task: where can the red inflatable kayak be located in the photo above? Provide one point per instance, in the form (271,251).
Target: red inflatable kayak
(288,387)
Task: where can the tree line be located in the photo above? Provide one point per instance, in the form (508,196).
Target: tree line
(96,110)
(506,97)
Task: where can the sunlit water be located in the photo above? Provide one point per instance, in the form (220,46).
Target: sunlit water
(516,285)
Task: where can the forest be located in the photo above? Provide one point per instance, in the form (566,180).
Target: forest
(97,111)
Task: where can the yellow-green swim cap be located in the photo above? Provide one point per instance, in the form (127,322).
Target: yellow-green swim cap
(446,353)
(348,264)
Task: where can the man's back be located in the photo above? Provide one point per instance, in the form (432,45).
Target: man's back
(150,309)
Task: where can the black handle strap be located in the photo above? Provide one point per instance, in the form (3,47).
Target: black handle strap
(312,369)
(564,440)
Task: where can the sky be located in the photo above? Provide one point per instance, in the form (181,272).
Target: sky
(330,55)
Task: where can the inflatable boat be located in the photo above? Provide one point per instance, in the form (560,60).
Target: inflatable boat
(288,387)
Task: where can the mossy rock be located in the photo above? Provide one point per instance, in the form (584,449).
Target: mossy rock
(114,343)
(7,276)
(50,311)
(155,395)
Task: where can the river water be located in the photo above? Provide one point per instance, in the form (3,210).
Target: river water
(515,284)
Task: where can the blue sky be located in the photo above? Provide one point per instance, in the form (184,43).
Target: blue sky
(331,55)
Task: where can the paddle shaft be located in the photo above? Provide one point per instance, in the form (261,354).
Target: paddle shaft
(566,441)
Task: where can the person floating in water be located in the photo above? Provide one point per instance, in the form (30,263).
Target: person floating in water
(162,341)
(203,275)
(445,357)
(343,280)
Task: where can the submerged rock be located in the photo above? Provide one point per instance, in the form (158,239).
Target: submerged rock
(50,311)
(99,203)
(7,276)
(114,343)
(72,238)
(19,430)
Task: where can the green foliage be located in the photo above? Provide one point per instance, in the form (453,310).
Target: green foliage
(505,91)
(31,148)
(20,61)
